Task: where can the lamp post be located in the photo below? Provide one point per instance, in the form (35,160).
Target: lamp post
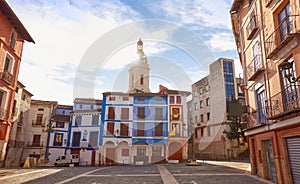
(287,67)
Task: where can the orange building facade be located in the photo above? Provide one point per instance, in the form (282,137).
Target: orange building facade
(267,37)
(12,37)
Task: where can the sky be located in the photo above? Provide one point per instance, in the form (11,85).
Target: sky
(85,48)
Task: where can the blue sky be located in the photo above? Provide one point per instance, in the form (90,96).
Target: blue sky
(84,48)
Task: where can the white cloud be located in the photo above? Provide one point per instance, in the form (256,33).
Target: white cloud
(222,42)
(200,13)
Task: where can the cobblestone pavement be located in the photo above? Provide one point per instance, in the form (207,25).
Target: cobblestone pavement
(147,174)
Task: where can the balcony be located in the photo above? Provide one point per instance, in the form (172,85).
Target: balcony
(35,144)
(252,27)
(37,123)
(4,114)
(280,38)
(284,103)
(255,68)
(7,77)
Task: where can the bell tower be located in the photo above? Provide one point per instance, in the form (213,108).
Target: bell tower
(139,72)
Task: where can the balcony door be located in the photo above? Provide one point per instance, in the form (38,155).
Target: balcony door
(261,108)
(285,22)
(289,90)
(255,55)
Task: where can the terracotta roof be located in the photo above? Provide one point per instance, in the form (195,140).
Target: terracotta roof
(42,102)
(70,107)
(87,101)
(236,5)
(61,118)
(14,20)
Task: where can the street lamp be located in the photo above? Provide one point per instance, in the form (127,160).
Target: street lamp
(287,67)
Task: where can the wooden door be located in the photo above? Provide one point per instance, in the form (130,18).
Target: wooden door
(93,158)
(110,156)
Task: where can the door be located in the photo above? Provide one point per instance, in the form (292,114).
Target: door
(93,160)
(110,156)
(293,146)
(175,151)
(270,160)
(141,154)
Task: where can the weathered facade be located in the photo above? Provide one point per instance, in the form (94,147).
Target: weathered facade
(267,37)
(208,111)
(12,37)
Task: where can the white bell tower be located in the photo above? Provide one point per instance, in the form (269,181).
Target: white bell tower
(139,72)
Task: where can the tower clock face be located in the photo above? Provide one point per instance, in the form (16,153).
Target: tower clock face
(140,47)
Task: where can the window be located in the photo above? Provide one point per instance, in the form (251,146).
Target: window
(201,91)
(207,101)
(172,99)
(208,131)
(95,120)
(92,106)
(176,129)
(112,98)
(207,88)
(14,110)
(158,113)
(80,106)
(8,65)
(60,125)
(40,109)
(159,129)
(196,106)
(76,139)
(58,139)
(39,119)
(77,120)
(125,152)
(93,139)
(178,99)
(110,128)
(13,39)
(260,101)
(111,113)
(208,116)
(284,21)
(196,119)
(141,129)
(175,114)
(201,103)
(124,113)
(125,98)
(141,98)
(201,117)
(142,80)
(141,113)
(36,140)
(124,129)
(195,93)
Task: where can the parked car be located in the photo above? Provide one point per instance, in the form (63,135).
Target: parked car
(66,160)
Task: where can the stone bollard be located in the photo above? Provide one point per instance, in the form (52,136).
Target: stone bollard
(27,163)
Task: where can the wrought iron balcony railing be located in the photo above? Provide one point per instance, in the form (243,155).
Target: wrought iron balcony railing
(286,30)
(7,77)
(252,27)
(4,114)
(255,67)
(284,103)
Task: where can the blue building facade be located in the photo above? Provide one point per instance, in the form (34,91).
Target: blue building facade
(84,131)
(58,132)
